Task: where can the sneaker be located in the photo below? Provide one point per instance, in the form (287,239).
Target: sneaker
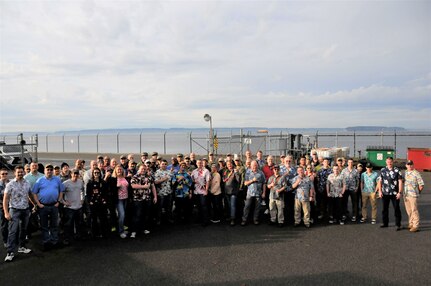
(123,235)
(9,257)
(311,220)
(232,222)
(22,249)
(363,220)
(243,223)
(341,222)
(320,217)
(133,235)
(266,211)
(307,226)
(5,244)
(331,221)
(373,221)
(353,219)
(126,227)
(146,231)
(215,221)
(263,203)
(256,222)
(113,229)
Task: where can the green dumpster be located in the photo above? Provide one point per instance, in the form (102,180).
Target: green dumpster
(376,155)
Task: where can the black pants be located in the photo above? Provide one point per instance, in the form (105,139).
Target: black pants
(396,203)
(354,197)
(335,207)
(216,206)
(99,220)
(141,215)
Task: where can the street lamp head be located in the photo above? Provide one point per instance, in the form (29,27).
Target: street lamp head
(207,117)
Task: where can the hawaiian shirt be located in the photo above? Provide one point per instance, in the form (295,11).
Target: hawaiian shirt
(19,192)
(280,182)
(255,189)
(140,195)
(350,179)
(322,177)
(201,177)
(335,184)
(181,182)
(164,188)
(289,174)
(369,181)
(412,181)
(303,189)
(389,180)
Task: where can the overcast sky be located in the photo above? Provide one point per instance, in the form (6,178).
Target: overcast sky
(72,65)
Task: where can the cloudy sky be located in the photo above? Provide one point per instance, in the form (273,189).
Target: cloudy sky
(72,65)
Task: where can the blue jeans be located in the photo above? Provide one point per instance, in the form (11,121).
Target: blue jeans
(203,207)
(141,214)
(248,203)
(72,222)
(4,226)
(49,224)
(231,204)
(121,209)
(18,223)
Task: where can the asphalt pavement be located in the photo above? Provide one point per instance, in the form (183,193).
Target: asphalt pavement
(353,254)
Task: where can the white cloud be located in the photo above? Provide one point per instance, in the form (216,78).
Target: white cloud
(112,64)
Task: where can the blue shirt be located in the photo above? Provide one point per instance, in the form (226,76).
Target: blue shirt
(181,182)
(48,190)
(255,189)
(369,181)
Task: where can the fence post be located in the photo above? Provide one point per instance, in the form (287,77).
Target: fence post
(46,143)
(240,143)
(140,143)
(164,142)
(190,142)
(78,143)
(354,143)
(97,143)
(317,139)
(395,144)
(118,143)
(63,142)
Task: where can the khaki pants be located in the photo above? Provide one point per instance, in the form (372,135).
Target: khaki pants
(412,211)
(305,207)
(369,197)
(276,209)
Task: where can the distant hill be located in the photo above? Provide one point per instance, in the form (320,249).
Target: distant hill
(374,128)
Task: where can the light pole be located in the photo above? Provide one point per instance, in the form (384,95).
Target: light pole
(207,118)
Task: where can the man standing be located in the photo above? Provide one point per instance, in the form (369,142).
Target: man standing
(303,195)
(390,189)
(255,182)
(164,192)
(350,188)
(202,179)
(321,194)
(277,186)
(46,193)
(335,190)
(72,198)
(413,186)
(368,187)
(16,211)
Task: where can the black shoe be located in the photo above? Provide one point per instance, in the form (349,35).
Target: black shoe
(280,225)
(384,225)
(47,246)
(398,228)
(271,222)
(66,242)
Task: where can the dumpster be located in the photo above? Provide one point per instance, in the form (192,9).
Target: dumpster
(421,157)
(376,155)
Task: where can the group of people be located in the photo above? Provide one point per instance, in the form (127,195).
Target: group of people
(130,197)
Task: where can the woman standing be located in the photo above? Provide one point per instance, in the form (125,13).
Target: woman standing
(97,198)
(119,188)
